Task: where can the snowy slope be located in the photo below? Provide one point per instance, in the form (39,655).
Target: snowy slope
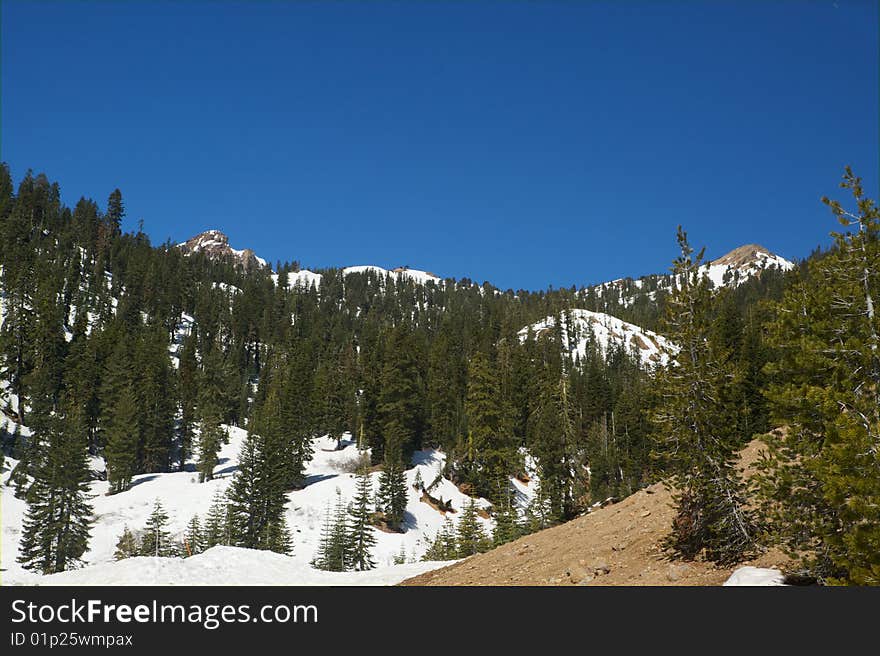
(730,270)
(743,263)
(182,497)
(420,277)
(302,279)
(608,331)
(226,566)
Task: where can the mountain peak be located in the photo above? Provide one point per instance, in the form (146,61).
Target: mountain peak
(215,245)
(744,255)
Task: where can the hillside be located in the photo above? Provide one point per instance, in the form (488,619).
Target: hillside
(732,269)
(328,473)
(619,544)
(118,357)
(584,327)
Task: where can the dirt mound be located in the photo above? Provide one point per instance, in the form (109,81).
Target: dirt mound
(616,545)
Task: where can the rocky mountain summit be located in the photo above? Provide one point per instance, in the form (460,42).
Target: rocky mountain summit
(215,245)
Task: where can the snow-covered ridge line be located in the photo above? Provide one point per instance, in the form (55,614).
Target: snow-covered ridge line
(304,278)
(729,270)
(607,331)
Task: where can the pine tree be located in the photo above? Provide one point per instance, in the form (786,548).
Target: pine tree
(821,483)
(334,550)
(194,538)
(538,514)
(360,531)
(392,493)
(127,546)
(188,381)
(156,539)
(446,379)
(696,425)
(401,402)
(115,212)
(553,442)
(56,527)
(217,529)
(278,538)
(470,537)
(122,434)
(443,546)
(256,495)
(507,526)
(294,421)
(211,437)
(156,402)
(489,451)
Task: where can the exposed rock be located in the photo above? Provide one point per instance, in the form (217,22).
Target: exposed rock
(600,568)
(215,245)
(676,571)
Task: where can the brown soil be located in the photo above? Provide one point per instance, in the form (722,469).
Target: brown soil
(619,544)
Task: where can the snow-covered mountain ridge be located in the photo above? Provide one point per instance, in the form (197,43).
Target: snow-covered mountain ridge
(581,327)
(729,270)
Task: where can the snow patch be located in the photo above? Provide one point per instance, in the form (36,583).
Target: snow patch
(608,331)
(755,576)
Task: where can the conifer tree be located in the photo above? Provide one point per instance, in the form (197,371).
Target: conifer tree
(293,419)
(193,538)
(256,495)
(217,529)
(443,546)
(360,531)
(392,493)
(115,212)
(156,402)
(401,402)
(334,550)
(211,437)
(538,513)
(56,527)
(122,434)
(553,442)
(156,539)
(820,485)
(507,527)
(188,381)
(446,376)
(278,538)
(696,426)
(488,452)
(127,546)
(470,537)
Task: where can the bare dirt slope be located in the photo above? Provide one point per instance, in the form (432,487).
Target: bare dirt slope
(616,545)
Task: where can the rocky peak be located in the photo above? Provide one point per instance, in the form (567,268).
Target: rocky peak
(215,245)
(745,256)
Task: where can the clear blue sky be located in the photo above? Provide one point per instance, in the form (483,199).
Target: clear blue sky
(525,143)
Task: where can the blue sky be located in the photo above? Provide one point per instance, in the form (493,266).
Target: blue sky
(525,143)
